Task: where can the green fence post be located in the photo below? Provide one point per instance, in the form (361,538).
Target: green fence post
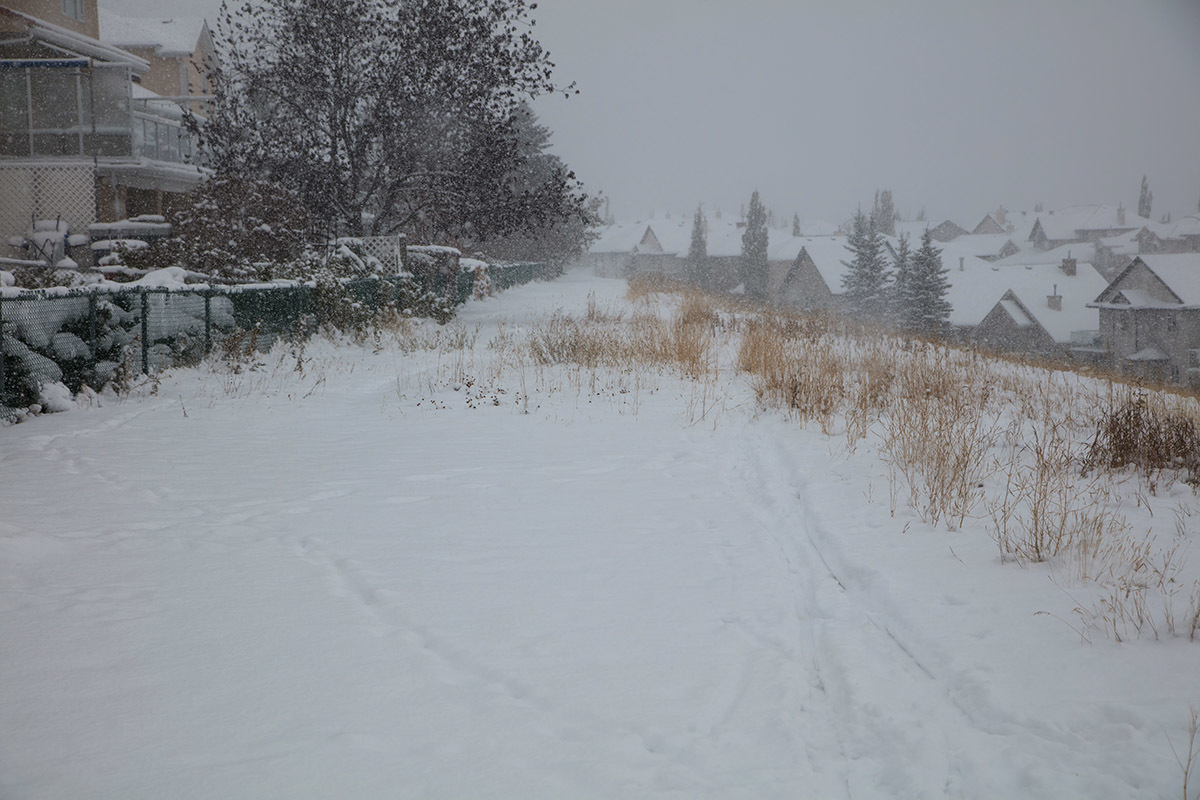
(3,386)
(145,333)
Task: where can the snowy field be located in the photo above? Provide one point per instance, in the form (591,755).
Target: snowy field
(415,572)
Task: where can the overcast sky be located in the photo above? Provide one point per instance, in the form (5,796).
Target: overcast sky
(955,105)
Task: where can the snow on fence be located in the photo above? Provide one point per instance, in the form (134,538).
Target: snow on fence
(89,337)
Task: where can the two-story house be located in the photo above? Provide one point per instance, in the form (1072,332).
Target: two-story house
(82,139)
(1150,318)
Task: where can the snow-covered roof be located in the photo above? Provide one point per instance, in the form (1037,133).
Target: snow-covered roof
(983,244)
(1019,317)
(171,36)
(621,237)
(1080,251)
(1061,224)
(1181,272)
(1184,226)
(1034,284)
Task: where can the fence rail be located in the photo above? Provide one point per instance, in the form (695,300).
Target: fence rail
(88,337)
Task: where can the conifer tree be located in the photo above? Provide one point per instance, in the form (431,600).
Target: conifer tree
(866,283)
(929,288)
(754,250)
(904,299)
(696,265)
(796,230)
(885,212)
(1145,199)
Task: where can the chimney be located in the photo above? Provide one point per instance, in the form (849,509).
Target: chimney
(1120,215)
(961,259)
(1055,300)
(1068,266)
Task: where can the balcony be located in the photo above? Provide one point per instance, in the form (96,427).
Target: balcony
(75,109)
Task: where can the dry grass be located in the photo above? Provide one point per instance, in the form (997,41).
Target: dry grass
(1150,434)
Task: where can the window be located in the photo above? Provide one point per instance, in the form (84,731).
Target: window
(73,9)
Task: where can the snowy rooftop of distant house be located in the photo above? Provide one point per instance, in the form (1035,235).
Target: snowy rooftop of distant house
(621,237)
(1039,282)
(1078,251)
(983,244)
(1184,226)
(170,36)
(1064,222)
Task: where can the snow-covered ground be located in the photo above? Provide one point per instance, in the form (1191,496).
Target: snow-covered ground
(416,573)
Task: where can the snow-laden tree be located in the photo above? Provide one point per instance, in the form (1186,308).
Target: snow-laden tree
(1145,199)
(796,229)
(383,115)
(866,282)
(754,250)
(929,287)
(696,264)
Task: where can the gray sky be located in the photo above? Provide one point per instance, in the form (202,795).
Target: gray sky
(957,105)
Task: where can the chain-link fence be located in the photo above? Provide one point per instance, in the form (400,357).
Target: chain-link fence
(91,337)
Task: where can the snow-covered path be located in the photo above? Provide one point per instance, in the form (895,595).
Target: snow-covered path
(356,584)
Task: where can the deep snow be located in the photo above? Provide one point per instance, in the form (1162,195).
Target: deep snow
(375,578)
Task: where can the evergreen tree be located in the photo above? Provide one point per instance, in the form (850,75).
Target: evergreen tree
(885,213)
(929,286)
(754,250)
(866,283)
(904,299)
(696,265)
(1145,199)
(796,230)
(921,215)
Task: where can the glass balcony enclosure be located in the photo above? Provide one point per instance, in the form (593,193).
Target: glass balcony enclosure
(73,109)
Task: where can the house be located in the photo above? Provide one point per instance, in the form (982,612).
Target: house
(176,49)
(612,251)
(1044,310)
(1181,236)
(83,140)
(1089,223)
(1150,318)
(812,272)
(988,246)
(988,225)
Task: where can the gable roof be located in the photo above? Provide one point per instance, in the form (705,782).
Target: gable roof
(1175,276)
(988,225)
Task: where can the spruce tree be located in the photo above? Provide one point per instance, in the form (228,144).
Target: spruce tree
(754,250)
(1145,199)
(696,266)
(904,299)
(866,283)
(930,286)
(796,230)
(885,212)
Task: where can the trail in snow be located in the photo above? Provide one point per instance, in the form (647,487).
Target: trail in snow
(354,584)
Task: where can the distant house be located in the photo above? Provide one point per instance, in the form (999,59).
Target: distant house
(611,252)
(812,271)
(988,225)
(1180,236)
(82,139)
(1044,311)
(1150,318)
(947,232)
(1082,224)
(988,246)
(176,48)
